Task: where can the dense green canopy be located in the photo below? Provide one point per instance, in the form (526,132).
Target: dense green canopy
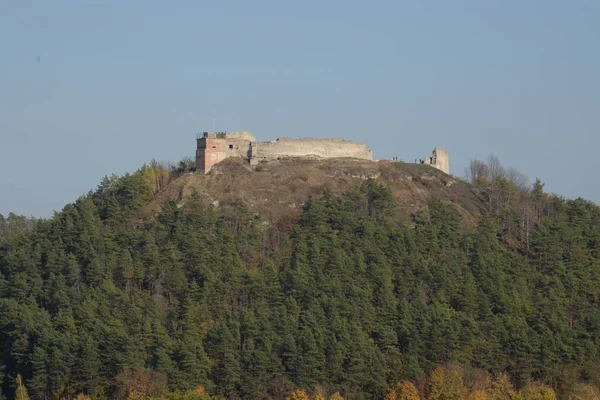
(352,296)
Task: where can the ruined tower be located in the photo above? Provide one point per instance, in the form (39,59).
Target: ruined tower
(214,147)
(439,159)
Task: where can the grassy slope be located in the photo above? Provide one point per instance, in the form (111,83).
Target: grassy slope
(278,189)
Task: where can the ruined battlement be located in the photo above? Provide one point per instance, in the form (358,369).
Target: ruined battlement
(308,148)
(243,135)
(214,147)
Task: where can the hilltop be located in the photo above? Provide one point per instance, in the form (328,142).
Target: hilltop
(279,188)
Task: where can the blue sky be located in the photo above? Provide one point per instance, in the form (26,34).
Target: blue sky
(121,82)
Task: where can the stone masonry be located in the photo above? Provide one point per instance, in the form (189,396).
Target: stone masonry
(439,159)
(214,147)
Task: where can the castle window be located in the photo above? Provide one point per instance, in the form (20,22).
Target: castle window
(231,146)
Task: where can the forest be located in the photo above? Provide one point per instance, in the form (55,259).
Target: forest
(352,299)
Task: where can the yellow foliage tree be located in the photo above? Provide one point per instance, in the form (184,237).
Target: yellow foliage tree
(404,390)
(478,394)
(586,392)
(537,391)
(21,393)
(319,396)
(155,176)
(392,393)
(477,380)
(82,396)
(99,395)
(446,384)
(298,394)
(137,395)
(502,388)
(336,396)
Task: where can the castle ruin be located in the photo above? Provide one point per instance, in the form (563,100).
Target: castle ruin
(439,159)
(214,147)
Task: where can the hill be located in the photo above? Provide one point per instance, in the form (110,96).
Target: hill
(370,279)
(279,189)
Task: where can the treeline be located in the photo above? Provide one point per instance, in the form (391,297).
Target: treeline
(448,382)
(351,297)
(519,207)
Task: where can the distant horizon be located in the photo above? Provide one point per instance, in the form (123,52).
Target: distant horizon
(88,88)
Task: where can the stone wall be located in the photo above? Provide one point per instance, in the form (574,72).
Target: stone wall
(308,148)
(243,135)
(439,159)
(214,147)
(210,151)
(442,160)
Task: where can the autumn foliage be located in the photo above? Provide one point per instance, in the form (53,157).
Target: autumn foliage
(452,383)
(404,390)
